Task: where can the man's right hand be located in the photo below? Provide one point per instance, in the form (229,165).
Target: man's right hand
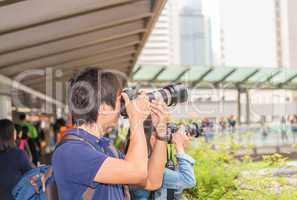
(181,140)
(137,109)
(160,117)
(133,170)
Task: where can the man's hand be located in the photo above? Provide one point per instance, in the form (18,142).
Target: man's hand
(34,180)
(160,116)
(137,109)
(133,169)
(157,161)
(181,140)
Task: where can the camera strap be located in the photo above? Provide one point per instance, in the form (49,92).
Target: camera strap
(170,165)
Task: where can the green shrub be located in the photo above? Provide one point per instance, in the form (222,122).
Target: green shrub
(220,176)
(214,173)
(275,159)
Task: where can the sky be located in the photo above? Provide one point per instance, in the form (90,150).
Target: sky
(211,9)
(249,34)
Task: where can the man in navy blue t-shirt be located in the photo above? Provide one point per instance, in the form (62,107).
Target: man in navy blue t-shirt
(94,101)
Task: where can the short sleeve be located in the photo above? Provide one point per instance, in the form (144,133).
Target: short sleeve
(79,162)
(25,164)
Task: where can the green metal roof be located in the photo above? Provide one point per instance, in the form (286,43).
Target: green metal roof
(197,76)
(147,73)
(194,74)
(263,75)
(171,74)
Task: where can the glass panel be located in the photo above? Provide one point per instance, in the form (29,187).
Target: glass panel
(240,74)
(263,75)
(194,74)
(284,76)
(147,73)
(218,74)
(171,73)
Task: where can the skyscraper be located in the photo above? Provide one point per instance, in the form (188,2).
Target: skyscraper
(162,47)
(289,32)
(192,34)
(180,37)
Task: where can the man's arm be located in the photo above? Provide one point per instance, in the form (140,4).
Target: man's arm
(184,177)
(156,167)
(157,161)
(132,170)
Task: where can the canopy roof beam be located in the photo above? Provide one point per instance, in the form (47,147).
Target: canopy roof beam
(225,77)
(201,78)
(77,25)
(158,74)
(181,75)
(288,81)
(248,77)
(77,55)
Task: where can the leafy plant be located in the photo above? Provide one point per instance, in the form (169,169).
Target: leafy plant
(275,159)
(220,176)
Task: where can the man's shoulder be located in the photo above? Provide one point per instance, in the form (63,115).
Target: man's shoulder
(16,152)
(71,148)
(75,151)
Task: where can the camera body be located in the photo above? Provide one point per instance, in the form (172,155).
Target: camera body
(171,95)
(193,130)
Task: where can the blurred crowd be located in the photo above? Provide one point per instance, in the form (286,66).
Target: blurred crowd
(38,138)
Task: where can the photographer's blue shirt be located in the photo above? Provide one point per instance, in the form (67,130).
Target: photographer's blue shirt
(75,165)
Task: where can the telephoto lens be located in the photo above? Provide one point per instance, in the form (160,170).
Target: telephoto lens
(171,95)
(192,129)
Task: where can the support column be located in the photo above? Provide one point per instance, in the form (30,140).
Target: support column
(5,102)
(239,106)
(248,111)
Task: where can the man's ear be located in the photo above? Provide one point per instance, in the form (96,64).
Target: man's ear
(105,109)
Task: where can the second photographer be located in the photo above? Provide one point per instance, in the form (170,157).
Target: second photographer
(174,177)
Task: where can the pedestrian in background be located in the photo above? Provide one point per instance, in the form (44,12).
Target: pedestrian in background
(14,162)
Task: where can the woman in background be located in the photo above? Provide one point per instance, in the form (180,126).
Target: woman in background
(14,162)
(23,142)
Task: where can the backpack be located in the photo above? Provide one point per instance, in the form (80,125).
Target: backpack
(24,190)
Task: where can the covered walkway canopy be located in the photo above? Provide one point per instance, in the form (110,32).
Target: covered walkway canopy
(209,77)
(239,78)
(67,35)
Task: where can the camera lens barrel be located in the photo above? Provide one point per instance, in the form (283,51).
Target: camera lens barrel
(192,129)
(171,95)
(178,94)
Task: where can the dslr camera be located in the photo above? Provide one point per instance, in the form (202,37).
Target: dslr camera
(193,130)
(171,95)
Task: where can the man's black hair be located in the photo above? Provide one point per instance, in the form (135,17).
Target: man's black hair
(25,131)
(22,116)
(6,135)
(88,90)
(148,130)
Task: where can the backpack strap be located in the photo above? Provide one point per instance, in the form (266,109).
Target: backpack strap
(125,187)
(170,165)
(89,193)
(75,138)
